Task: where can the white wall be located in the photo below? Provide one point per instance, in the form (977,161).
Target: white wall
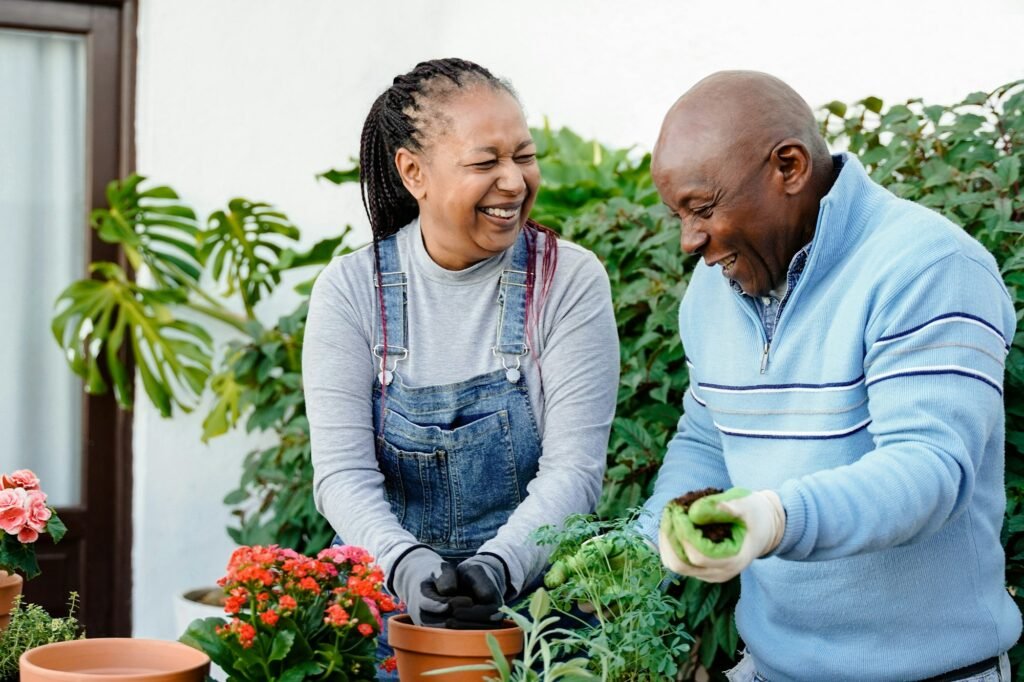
(253,97)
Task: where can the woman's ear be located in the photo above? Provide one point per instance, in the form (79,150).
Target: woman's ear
(792,161)
(411,170)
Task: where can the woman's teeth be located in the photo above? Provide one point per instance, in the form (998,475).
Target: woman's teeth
(501,212)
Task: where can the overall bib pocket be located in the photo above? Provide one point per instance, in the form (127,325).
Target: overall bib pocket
(451,488)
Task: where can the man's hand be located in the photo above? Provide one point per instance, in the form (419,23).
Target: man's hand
(427,584)
(757,523)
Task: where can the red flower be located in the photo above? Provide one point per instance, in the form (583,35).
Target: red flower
(287,603)
(336,616)
(310,585)
(365,629)
(389,664)
(269,617)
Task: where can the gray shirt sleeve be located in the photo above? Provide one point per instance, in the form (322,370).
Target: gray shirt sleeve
(573,390)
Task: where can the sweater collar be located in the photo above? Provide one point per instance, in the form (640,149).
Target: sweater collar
(843,216)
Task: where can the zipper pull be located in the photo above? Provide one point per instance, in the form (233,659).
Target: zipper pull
(764,358)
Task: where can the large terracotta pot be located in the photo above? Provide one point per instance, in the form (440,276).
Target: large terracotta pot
(10,587)
(121,659)
(419,649)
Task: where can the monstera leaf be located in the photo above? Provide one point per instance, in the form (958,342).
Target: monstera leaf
(153,229)
(244,245)
(98,316)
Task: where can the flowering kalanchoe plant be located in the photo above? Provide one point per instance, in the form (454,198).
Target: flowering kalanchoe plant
(295,618)
(24,516)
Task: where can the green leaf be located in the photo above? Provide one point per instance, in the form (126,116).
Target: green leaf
(342,176)
(281,645)
(540,604)
(55,528)
(244,243)
(873,104)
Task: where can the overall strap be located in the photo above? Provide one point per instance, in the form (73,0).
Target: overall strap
(392,285)
(510,344)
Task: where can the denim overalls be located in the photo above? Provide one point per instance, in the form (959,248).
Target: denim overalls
(456,458)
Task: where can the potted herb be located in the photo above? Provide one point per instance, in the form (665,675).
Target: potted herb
(637,629)
(24,516)
(295,617)
(31,626)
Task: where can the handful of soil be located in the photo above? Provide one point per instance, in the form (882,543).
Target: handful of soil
(716,532)
(720,537)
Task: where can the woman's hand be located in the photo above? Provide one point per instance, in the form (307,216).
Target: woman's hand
(481,589)
(427,584)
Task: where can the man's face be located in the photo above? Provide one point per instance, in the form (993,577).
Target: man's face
(732,209)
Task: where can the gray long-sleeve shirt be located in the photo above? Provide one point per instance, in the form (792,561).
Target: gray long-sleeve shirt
(452,317)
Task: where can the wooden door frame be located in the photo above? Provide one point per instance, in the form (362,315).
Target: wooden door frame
(102,524)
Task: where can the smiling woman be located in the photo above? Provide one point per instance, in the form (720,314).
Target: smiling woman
(438,443)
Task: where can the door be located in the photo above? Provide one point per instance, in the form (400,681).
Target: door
(66,71)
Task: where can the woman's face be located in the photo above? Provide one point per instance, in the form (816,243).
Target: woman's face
(478,177)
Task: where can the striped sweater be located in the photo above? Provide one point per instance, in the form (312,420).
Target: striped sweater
(876,414)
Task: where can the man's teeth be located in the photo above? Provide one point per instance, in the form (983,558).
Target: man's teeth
(728,263)
(501,212)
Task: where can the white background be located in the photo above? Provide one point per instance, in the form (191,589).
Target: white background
(254,97)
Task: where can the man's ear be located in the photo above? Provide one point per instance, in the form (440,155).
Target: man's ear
(791,159)
(411,170)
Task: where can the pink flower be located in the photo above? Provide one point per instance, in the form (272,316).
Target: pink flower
(27,535)
(22,478)
(342,553)
(38,512)
(13,514)
(375,611)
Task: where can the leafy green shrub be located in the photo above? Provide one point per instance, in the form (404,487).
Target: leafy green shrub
(965,161)
(31,626)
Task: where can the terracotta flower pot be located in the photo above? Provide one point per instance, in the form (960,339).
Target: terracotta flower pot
(419,649)
(10,587)
(121,659)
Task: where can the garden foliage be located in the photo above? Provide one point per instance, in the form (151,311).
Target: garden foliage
(30,627)
(963,160)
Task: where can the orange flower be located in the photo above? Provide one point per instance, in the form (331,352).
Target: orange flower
(336,616)
(269,617)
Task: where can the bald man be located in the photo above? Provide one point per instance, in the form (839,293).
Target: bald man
(846,352)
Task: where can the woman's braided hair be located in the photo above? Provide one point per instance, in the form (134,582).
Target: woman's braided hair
(406,115)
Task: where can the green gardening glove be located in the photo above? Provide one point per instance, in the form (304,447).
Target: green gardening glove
(679,525)
(753,524)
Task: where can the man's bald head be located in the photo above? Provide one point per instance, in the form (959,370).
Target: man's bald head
(741,111)
(741,161)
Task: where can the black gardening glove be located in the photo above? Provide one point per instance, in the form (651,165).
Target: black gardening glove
(427,584)
(482,584)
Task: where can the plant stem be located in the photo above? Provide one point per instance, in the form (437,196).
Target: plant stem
(221,314)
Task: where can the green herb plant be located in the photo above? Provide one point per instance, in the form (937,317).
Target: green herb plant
(30,627)
(635,630)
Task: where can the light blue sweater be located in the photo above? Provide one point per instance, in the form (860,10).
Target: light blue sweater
(877,416)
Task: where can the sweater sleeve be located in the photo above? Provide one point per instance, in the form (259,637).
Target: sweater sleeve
(580,372)
(337,376)
(933,365)
(693,460)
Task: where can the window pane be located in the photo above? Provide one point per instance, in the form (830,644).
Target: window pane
(43,229)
